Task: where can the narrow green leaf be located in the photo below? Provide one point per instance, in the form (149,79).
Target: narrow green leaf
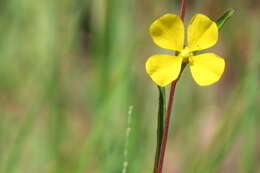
(220,22)
(160,124)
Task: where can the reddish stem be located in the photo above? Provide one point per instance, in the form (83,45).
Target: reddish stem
(169,107)
(166,128)
(183,8)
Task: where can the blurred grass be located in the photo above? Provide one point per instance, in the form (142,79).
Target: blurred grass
(69,71)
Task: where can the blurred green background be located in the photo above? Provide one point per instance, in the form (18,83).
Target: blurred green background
(72,81)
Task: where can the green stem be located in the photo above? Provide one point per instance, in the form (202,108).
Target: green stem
(160,124)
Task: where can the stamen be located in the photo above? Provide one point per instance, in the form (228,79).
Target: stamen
(185,53)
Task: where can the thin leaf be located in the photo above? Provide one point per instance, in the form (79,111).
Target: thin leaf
(160,124)
(220,22)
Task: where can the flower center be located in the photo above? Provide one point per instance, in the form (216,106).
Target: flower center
(185,54)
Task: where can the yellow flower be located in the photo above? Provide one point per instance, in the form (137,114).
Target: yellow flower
(168,32)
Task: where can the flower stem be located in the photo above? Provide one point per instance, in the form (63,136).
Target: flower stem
(166,128)
(183,9)
(169,107)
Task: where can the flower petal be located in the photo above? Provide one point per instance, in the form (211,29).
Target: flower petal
(163,69)
(206,68)
(202,33)
(168,32)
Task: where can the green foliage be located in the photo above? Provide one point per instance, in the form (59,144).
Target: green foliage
(69,71)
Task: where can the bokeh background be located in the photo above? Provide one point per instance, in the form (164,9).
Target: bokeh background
(72,83)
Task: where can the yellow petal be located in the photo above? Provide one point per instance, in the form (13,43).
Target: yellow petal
(163,69)
(202,33)
(206,68)
(168,32)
